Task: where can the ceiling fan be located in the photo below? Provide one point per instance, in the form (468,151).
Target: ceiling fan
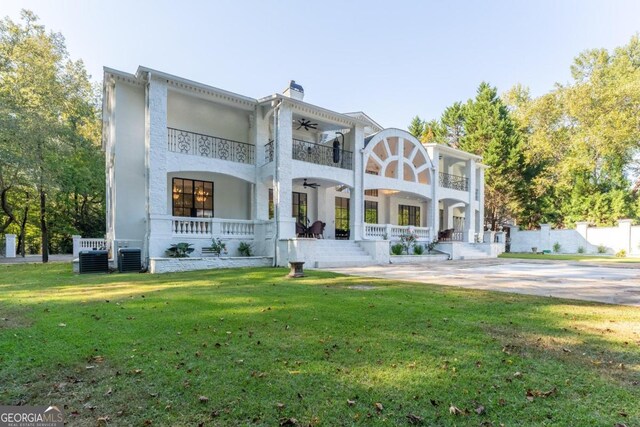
(313,185)
(306,124)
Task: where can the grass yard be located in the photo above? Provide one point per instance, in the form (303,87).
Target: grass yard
(249,347)
(570,257)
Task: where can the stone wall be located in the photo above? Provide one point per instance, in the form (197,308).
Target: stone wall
(611,239)
(170,265)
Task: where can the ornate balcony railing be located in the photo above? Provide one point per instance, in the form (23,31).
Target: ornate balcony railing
(197,144)
(321,154)
(268,152)
(454,182)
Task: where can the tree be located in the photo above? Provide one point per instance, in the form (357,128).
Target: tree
(452,125)
(416,127)
(49,105)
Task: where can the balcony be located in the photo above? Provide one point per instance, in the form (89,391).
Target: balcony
(197,144)
(321,154)
(454,182)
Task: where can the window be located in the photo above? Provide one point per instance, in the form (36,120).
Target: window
(370,212)
(373,193)
(409,215)
(342,218)
(299,207)
(192,198)
(271,209)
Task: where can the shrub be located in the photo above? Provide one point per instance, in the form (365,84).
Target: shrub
(556,247)
(418,250)
(580,250)
(432,245)
(180,250)
(218,247)
(408,239)
(621,253)
(602,249)
(397,249)
(245,249)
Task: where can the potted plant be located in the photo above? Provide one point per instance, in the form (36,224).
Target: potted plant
(180,250)
(218,247)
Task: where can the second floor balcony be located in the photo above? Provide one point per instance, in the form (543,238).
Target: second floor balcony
(321,154)
(454,182)
(186,142)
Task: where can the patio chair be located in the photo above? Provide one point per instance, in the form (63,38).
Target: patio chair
(301,230)
(317,230)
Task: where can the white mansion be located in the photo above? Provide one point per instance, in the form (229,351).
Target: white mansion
(187,162)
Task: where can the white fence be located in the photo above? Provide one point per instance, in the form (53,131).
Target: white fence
(393,232)
(590,239)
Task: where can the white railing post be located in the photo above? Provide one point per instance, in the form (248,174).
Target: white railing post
(10,245)
(387,231)
(76,245)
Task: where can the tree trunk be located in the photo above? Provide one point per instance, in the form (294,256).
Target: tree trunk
(4,205)
(43,226)
(23,227)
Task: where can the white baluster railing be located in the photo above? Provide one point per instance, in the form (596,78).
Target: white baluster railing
(393,232)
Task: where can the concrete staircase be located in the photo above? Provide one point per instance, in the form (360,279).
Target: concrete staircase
(337,253)
(470,251)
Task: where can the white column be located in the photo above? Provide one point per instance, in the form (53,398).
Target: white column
(76,245)
(260,132)
(470,213)
(356,201)
(283,184)
(159,224)
(10,245)
(434,216)
(481,198)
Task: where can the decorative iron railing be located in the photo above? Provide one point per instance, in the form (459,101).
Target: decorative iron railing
(321,154)
(454,182)
(268,152)
(197,144)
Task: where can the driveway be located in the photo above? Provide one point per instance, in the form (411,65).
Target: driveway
(561,279)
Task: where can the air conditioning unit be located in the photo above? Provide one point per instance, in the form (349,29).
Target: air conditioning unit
(94,262)
(129,260)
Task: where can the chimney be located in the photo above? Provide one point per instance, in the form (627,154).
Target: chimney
(294,91)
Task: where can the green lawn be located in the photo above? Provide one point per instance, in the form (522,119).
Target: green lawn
(249,347)
(570,257)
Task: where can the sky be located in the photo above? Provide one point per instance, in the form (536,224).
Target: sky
(390,59)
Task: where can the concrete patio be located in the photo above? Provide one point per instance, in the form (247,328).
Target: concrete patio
(612,284)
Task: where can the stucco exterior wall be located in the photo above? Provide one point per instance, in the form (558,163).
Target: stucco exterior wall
(171,265)
(128,166)
(201,116)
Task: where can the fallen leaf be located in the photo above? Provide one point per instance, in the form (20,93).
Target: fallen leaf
(517,375)
(108,393)
(203,399)
(62,325)
(288,422)
(379,406)
(414,419)
(453,410)
(480,410)
(351,402)
(103,420)
(280,406)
